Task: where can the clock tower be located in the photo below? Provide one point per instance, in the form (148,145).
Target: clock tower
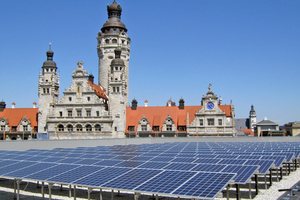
(113,34)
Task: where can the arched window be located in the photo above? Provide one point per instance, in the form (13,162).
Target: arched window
(88,127)
(78,127)
(97,127)
(107,41)
(60,128)
(70,127)
(114,41)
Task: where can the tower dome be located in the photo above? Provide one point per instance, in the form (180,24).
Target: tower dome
(49,65)
(114,24)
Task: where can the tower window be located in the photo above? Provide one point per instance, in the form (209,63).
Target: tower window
(44,90)
(118,89)
(114,41)
(88,113)
(69,113)
(210,122)
(201,122)
(116,68)
(107,41)
(220,122)
(48,91)
(97,113)
(88,98)
(60,113)
(79,89)
(114,89)
(70,99)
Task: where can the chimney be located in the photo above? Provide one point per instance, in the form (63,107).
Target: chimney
(91,78)
(169,103)
(146,103)
(134,104)
(2,105)
(34,104)
(13,105)
(181,104)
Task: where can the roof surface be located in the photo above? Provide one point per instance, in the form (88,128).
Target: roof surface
(99,90)
(15,115)
(156,115)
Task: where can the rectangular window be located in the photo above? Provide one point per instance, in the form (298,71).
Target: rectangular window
(181,128)
(155,128)
(131,128)
(69,113)
(169,127)
(114,89)
(14,129)
(25,128)
(2,128)
(97,113)
(118,89)
(220,122)
(88,113)
(116,128)
(78,113)
(210,122)
(201,122)
(60,113)
(48,90)
(35,129)
(144,127)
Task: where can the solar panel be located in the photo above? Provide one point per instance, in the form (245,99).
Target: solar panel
(74,174)
(132,179)
(244,173)
(204,185)
(165,182)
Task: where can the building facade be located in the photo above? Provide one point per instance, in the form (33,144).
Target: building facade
(18,123)
(86,109)
(211,118)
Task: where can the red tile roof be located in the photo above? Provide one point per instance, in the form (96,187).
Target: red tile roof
(248,132)
(99,90)
(15,115)
(157,114)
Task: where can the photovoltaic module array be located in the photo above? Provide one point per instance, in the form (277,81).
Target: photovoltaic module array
(185,169)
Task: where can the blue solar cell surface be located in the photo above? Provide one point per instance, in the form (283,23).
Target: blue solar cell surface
(140,167)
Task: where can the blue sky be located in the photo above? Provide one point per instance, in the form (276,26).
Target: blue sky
(249,50)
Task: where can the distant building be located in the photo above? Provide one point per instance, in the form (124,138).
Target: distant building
(267,128)
(18,123)
(208,119)
(292,129)
(246,126)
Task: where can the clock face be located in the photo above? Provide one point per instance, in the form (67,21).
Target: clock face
(210,105)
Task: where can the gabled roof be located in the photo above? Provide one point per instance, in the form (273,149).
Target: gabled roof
(266,122)
(157,114)
(100,92)
(15,115)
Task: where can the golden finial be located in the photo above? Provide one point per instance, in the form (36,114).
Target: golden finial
(49,45)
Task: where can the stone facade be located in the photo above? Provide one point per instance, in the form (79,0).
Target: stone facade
(81,111)
(292,129)
(48,91)
(88,110)
(211,119)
